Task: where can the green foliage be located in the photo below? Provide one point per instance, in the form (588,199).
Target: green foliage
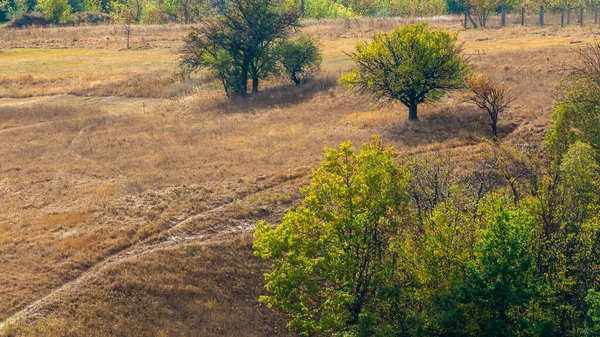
(331,258)
(299,57)
(592,326)
(500,280)
(417,8)
(412,64)
(576,114)
(94,6)
(327,9)
(57,11)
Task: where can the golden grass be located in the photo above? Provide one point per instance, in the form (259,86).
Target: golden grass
(96,159)
(200,290)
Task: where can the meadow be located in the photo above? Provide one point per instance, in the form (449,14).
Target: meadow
(128,194)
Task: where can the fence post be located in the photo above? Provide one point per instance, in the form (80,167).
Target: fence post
(522,16)
(542,15)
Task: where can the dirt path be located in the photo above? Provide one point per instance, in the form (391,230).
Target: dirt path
(166,239)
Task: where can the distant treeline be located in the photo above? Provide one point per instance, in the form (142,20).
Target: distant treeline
(190,11)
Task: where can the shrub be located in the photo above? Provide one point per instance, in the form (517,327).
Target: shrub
(299,57)
(27,20)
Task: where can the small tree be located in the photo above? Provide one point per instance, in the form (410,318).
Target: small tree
(331,258)
(412,64)
(300,57)
(124,14)
(490,97)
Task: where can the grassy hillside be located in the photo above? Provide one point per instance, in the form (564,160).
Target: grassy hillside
(127,196)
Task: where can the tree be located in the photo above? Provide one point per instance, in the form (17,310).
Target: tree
(300,57)
(490,97)
(125,13)
(57,11)
(500,280)
(330,258)
(412,64)
(237,41)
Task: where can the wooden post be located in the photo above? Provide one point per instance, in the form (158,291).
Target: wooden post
(581,16)
(542,15)
(522,16)
(503,17)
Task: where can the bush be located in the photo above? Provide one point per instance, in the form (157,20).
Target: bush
(28,20)
(300,58)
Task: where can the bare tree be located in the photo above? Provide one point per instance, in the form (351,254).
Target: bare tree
(489,96)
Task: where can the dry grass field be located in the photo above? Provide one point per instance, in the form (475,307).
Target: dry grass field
(127,196)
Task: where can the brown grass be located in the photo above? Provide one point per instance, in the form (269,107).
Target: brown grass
(200,290)
(102,150)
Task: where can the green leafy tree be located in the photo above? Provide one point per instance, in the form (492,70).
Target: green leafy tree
(412,64)
(299,57)
(331,260)
(500,280)
(245,33)
(57,11)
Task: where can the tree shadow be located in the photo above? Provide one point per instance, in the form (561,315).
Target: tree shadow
(280,95)
(452,122)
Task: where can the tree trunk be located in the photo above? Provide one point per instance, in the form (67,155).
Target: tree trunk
(562,17)
(503,17)
(522,16)
(484,15)
(471,19)
(295,79)
(581,16)
(494,125)
(254,84)
(412,113)
(465,23)
(301,8)
(542,16)
(242,89)
(596,14)
(568,14)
